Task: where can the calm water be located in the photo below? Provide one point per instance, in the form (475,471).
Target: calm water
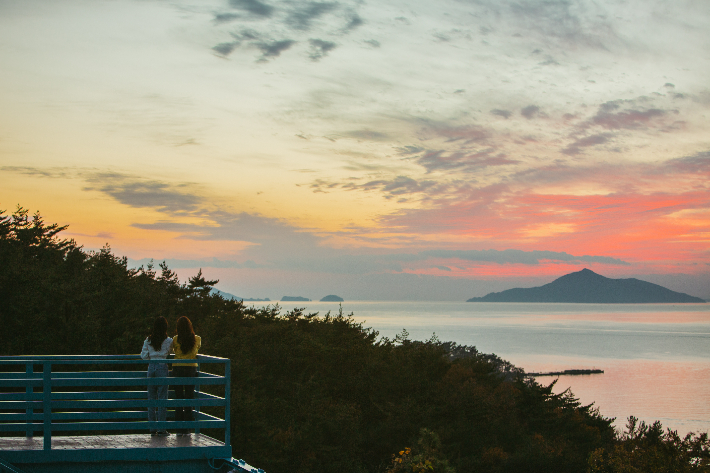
(655,357)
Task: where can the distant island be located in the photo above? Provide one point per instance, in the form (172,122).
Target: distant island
(566,372)
(229,296)
(332,298)
(586,286)
(294,299)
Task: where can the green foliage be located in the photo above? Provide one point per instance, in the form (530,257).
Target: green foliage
(58,299)
(311,393)
(643,448)
(427,458)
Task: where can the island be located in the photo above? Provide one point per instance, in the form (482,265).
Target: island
(566,372)
(586,286)
(294,299)
(332,298)
(229,296)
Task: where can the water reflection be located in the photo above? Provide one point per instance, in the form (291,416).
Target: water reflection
(656,357)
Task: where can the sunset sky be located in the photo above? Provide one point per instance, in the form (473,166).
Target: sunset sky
(431,150)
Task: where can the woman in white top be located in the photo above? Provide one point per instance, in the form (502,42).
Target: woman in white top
(157,347)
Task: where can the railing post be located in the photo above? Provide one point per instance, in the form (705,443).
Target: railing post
(47,404)
(196,409)
(29,390)
(227,406)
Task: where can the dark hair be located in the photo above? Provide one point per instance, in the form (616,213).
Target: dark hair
(185,333)
(159,333)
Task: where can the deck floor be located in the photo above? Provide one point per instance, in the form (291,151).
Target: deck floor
(87,442)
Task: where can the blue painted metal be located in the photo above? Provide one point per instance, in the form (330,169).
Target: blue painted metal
(7,467)
(99,402)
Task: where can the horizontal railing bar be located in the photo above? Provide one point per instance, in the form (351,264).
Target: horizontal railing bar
(117,382)
(17,375)
(97,361)
(20,397)
(114,404)
(89,395)
(20,404)
(18,427)
(40,358)
(93,415)
(96,395)
(203,421)
(135,404)
(187,424)
(20,416)
(98,374)
(141,425)
(82,397)
(20,383)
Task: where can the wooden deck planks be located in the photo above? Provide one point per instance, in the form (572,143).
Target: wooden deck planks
(126,441)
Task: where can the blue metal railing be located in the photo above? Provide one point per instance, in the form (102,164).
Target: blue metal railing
(53,399)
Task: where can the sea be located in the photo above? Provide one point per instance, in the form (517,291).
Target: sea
(655,357)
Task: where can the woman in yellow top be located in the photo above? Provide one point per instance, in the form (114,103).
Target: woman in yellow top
(185,346)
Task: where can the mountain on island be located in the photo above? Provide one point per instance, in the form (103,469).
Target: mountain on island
(295,299)
(586,286)
(332,298)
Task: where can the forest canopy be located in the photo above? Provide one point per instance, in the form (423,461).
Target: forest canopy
(320,392)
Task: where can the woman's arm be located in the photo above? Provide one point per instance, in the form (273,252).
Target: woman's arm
(145,354)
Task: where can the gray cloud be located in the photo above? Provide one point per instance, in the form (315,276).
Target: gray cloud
(611,117)
(320,48)
(587,141)
(302,16)
(470,134)
(220,18)
(126,189)
(501,113)
(549,61)
(143,193)
(32,171)
(338,263)
(696,164)
(373,42)
(367,135)
(407,150)
(460,160)
(203,263)
(400,185)
(246,35)
(353,22)
(225,49)
(519,256)
(529,112)
(274,48)
(559,20)
(253,6)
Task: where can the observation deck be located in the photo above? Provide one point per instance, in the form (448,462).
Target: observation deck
(89,414)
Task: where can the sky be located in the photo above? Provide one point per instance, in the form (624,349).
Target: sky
(401,150)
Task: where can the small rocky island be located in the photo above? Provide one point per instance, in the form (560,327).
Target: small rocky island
(295,299)
(586,286)
(332,298)
(229,296)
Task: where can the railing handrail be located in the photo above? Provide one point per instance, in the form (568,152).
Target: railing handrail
(48,400)
(102,359)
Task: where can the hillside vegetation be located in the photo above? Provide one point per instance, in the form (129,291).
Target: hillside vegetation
(320,392)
